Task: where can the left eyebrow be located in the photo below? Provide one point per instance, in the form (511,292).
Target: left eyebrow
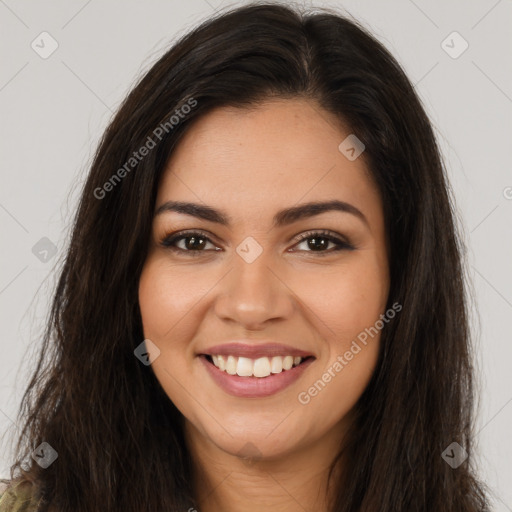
(281,218)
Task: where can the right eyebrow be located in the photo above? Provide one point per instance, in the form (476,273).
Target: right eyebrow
(281,218)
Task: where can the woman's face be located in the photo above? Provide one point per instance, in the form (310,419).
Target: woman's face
(245,278)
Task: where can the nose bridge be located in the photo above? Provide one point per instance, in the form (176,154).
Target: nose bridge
(252,293)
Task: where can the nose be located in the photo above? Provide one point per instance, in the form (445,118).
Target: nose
(253,294)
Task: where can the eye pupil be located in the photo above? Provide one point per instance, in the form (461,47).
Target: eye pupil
(195,242)
(316,243)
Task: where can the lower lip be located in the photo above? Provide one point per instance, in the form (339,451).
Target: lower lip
(255,387)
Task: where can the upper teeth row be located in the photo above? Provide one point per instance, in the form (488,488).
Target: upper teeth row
(261,367)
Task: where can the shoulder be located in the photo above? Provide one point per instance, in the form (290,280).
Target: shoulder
(17,496)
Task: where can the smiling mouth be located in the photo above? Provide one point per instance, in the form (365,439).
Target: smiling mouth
(259,368)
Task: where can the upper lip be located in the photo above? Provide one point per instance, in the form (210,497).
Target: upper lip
(253,351)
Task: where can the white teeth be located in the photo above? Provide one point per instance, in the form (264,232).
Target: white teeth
(276,365)
(261,367)
(231,365)
(244,367)
(287,362)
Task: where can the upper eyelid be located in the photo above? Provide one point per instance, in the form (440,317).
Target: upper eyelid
(334,238)
(191,232)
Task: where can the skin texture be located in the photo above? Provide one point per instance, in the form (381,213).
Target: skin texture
(251,164)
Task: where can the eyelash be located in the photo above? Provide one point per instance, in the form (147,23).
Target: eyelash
(168,241)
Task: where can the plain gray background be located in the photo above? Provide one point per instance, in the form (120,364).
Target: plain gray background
(54,109)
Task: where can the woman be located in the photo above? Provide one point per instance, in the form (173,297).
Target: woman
(262,305)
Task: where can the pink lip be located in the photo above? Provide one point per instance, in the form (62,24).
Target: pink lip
(254,387)
(253,351)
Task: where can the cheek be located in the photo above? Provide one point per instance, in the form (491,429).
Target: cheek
(167,296)
(156,298)
(335,390)
(166,299)
(345,300)
(347,303)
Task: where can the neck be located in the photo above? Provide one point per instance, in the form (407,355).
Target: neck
(289,482)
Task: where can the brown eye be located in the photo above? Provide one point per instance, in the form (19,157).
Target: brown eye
(319,242)
(191,242)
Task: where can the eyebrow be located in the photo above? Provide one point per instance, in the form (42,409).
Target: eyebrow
(281,218)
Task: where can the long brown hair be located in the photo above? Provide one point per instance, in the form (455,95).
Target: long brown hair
(118,437)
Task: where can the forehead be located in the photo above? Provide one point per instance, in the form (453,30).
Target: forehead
(275,152)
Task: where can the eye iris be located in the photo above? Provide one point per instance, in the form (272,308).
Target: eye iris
(316,243)
(195,242)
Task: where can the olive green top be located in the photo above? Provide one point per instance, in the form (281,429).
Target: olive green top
(17,497)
